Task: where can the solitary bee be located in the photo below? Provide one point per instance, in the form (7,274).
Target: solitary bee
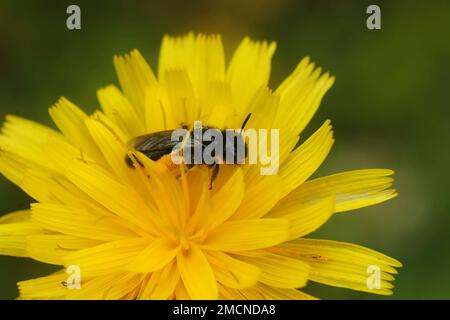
(215,147)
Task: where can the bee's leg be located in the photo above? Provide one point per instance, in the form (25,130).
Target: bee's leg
(214,173)
(130,159)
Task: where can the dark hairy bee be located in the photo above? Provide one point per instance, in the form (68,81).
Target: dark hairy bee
(225,147)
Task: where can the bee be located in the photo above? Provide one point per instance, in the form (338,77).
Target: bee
(226,147)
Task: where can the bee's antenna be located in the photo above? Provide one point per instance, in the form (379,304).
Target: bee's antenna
(246,120)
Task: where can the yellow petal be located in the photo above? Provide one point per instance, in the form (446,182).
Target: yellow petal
(154,257)
(13,237)
(198,197)
(343,264)
(200,55)
(31,133)
(249,294)
(63,191)
(111,125)
(185,108)
(304,218)
(227,293)
(166,191)
(227,200)
(277,270)
(158,111)
(263,292)
(27,139)
(301,94)
(162,283)
(94,288)
(30,177)
(274,293)
(288,140)
(98,184)
(51,248)
(134,76)
(249,70)
(106,258)
(263,106)
(70,120)
(181,292)
(60,152)
(307,158)
(233,272)
(117,108)
(242,235)
(262,193)
(16,216)
(353,189)
(45,287)
(216,107)
(78,222)
(197,275)
(113,150)
(122,286)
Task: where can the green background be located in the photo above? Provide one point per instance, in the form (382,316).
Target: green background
(389,105)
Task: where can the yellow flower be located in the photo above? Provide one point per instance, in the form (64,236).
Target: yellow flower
(152,233)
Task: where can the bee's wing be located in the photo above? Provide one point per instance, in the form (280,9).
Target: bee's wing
(154,145)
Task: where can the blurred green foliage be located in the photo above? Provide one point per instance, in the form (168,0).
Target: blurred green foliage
(389,104)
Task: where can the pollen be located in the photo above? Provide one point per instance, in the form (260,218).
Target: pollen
(167,161)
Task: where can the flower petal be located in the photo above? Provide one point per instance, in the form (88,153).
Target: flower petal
(78,222)
(181,292)
(263,106)
(26,139)
(300,96)
(13,237)
(242,235)
(277,270)
(134,76)
(304,218)
(353,189)
(118,109)
(93,288)
(49,287)
(98,184)
(154,257)
(16,216)
(162,283)
(197,275)
(307,158)
(52,248)
(30,177)
(274,293)
(70,120)
(342,264)
(113,150)
(185,108)
(262,193)
(158,112)
(227,200)
(233,272)
(201,56)
(249,70)
(108,257)
(121,286)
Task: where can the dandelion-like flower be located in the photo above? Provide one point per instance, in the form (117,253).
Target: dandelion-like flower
(151,231)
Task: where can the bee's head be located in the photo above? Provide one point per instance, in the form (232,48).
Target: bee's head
(235,148)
